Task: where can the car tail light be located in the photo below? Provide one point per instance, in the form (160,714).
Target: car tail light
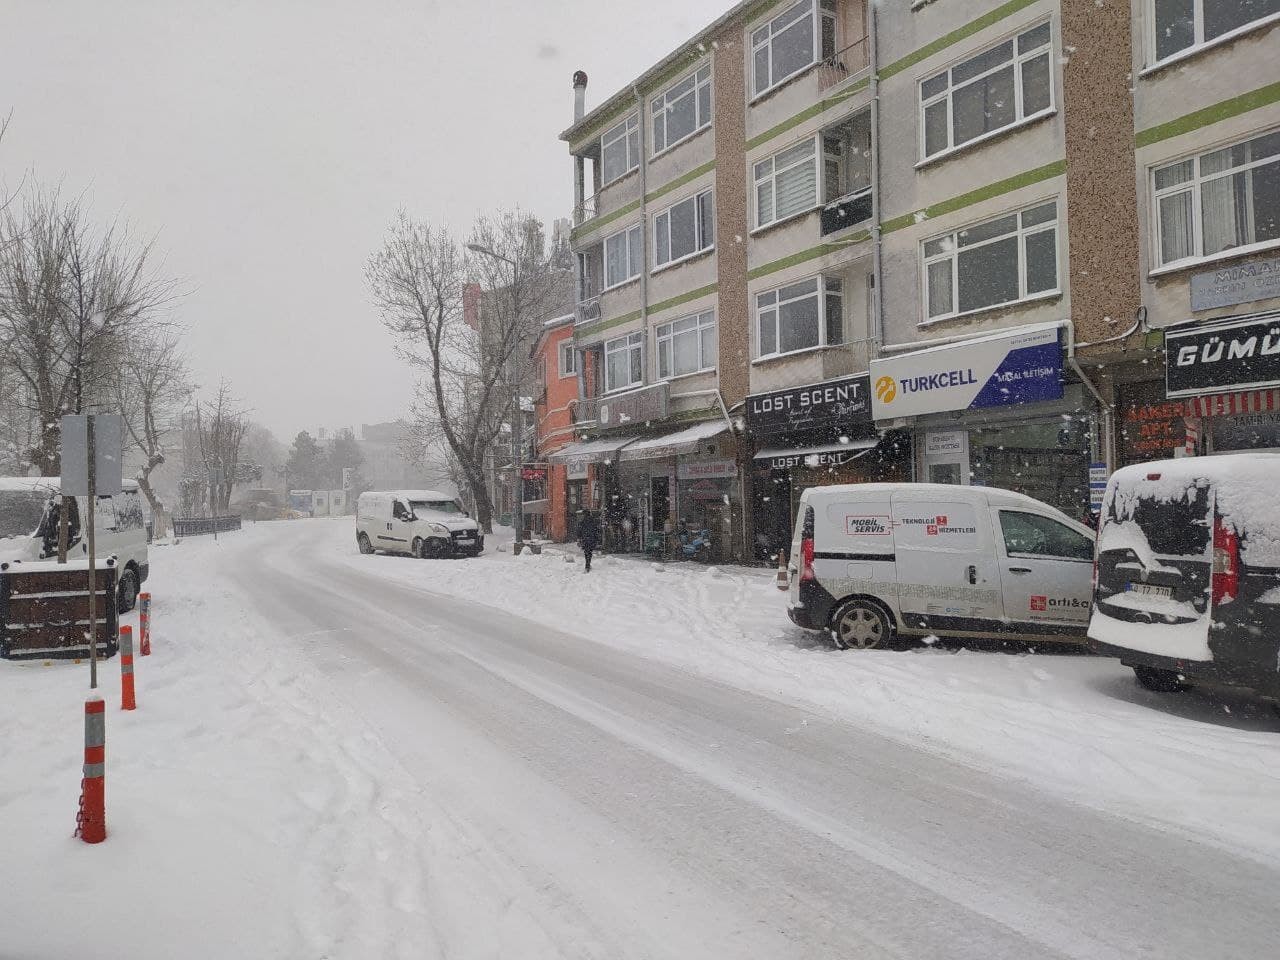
(806,547)
(1226,563)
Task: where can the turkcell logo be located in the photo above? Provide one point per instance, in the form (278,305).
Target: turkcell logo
(938,381)
(886,389)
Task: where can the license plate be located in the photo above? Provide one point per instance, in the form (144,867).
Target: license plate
(1151,590)
(465,542)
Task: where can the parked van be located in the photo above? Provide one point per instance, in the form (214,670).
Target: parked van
(874,562)
(421,523)
(29,520)
(1188,573)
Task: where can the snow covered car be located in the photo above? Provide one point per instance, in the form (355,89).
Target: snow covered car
(872,561)
(29,508)
(1187,581)
(421,523)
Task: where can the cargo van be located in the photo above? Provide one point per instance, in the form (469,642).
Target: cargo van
(1188,574)
(29,521)
(877,562)
(420,523)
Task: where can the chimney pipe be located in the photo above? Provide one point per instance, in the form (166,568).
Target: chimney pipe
(579,95)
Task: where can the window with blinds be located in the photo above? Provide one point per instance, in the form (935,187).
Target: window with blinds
(786,184)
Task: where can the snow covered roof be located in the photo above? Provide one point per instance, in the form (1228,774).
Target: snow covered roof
(674,444)
(51,484)
(592,451)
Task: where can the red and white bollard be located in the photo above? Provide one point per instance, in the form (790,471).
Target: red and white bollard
(144,623)
(91,821)
(127,701)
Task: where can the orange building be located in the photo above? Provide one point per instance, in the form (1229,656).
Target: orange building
(568,485)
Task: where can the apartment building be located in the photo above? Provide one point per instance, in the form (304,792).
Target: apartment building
(555,492)
(907,241)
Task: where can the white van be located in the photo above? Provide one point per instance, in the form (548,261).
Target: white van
(421,523)
(29,518)
(876,561)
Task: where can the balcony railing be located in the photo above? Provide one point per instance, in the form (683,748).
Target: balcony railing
(846,211)
(589,309)
(585,210)
(846,63)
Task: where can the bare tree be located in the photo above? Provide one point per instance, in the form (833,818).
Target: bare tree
(220,428)
(150,390)
(472,371)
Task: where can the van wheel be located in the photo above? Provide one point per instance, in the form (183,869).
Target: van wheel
(362,541)
(126,591)
(862,626)
(1161,681)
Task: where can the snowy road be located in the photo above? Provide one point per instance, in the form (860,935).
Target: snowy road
(478,785)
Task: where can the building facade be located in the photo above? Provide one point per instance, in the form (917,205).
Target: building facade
(925,240)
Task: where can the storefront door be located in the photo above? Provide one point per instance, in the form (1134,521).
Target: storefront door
(574,497)
(660,502)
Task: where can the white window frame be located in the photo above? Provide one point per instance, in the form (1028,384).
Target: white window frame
(1021,233)
(1198,41)
(659,227)
(815,159)
(948,92)
(762,36)
(568,358)
(627,342)
(661,104)
(821,291)
(611,136)
(1195,185)
(630,235)
(664,344)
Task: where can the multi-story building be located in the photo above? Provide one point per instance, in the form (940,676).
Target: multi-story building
(907,241)
(556,492)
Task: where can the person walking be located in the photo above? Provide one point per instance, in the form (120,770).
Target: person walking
(588,536)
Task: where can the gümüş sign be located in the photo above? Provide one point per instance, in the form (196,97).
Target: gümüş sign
(1223,356)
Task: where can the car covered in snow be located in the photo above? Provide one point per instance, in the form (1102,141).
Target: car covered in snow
(420,523)
(1187,583)
(872,562)
(30,516)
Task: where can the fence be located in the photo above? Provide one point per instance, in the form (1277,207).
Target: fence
(197,526)
(44,609)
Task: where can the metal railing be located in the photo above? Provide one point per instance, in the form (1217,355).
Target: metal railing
(585,210)
(199,526)
(589,309)
(843,64)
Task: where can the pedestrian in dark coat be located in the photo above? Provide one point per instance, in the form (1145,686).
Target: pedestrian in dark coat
(588,536)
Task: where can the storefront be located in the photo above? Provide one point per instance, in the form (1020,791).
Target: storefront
(588,468)
(996,411)
(813,435)
(1226,377)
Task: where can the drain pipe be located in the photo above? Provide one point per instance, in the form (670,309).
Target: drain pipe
(877,243)
(1108,417)
(641,128)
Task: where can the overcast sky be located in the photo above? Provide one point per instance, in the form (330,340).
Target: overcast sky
(269,143)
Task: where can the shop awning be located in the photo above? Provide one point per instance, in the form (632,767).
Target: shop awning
(674,444)
(791,456)
(1232,404)
(590,451)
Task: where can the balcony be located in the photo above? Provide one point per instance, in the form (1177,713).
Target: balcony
(588,309)
(586,210)
(846,211)
(846,173)
(844,64)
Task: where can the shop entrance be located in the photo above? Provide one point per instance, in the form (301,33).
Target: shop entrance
(574,499)
(659,502)
(1046,459)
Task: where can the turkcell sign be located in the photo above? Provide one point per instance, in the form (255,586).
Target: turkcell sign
(991,371)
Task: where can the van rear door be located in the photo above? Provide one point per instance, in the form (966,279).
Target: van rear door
(948,579)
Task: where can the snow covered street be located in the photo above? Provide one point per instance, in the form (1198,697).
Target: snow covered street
(339,755)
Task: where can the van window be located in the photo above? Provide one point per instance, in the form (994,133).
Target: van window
(1028,534)
(399,511)
(21,512)
(106,513)
(1177,526)
(435,506)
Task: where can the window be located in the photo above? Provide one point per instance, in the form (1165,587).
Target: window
(1004,260)
(1028,534)
(568,359)
(787,183)
(796,317)
(682,110)
(620,150)
(687,345)
(1220,200)
(786,44)
(1182,24)
(999,87)
(624,362)
(684,229)
(622,256)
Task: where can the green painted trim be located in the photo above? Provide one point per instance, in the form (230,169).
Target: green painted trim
(1262,97)
(680,181)
(1024,179)
(588,226)
(806,255)
(955,36)
(590,329)
(808,114)
(683,298)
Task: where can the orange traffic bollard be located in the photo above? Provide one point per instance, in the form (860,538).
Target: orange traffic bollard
(783,579)
(127,701)
(144,623)
(91,821)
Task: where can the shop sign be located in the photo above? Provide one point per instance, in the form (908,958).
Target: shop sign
(1225,356)
(843,405)
(1151,427)
(1241,283)
(993,371)
(944,443)
(534,473)
(634,407)
(1097,485)
(835,458)
(705,489)
(700,469)
(577,469)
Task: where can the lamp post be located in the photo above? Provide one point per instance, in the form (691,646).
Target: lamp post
(517,412)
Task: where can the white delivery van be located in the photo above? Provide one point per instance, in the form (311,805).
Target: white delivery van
(874,562)
(421,523)
(29,519)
